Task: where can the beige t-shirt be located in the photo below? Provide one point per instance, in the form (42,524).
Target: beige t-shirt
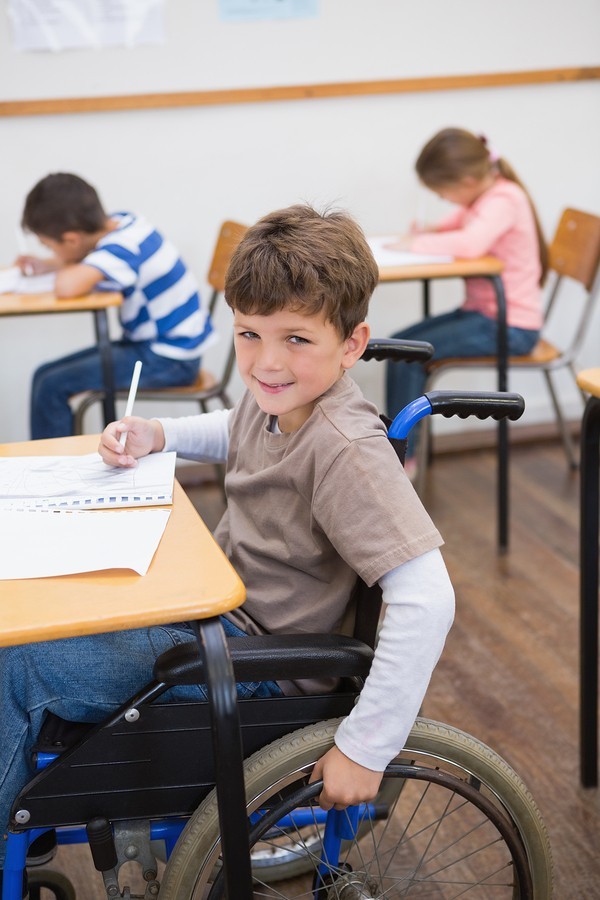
(308,510)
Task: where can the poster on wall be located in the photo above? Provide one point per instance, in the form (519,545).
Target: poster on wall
(70,24)
(254,10)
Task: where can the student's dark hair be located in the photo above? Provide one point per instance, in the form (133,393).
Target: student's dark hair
(453,154)
(310,262)
(62,202)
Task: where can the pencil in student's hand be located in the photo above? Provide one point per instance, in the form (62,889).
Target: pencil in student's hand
(22,251)
(131,397)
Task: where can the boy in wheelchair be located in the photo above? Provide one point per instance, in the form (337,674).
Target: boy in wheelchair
(315,497)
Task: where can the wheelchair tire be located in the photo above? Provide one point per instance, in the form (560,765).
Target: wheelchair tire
(457,817)
(55,882)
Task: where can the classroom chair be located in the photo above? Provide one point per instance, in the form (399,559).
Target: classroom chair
(207,387)
(447,803)
(574,254)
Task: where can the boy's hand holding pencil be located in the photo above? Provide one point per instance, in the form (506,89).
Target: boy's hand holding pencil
(143,436)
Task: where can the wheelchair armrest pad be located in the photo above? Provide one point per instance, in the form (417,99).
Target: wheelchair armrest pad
(272,657)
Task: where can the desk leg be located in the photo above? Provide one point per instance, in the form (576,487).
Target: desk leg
(228,755)
(588,621)
(503,447)
(103,341)
(426,298)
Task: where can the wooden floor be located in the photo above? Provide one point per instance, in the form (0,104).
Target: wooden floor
(509,674)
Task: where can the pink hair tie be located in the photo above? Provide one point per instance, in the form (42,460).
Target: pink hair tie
(494,157)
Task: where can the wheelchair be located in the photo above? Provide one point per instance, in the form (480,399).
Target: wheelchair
(156,780)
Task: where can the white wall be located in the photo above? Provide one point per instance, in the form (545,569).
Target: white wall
(189,169)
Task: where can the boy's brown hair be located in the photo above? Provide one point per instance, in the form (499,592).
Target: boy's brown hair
(62,202)
(310,262)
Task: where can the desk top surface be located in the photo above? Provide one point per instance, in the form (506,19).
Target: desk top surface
(589,380)
(189,577)
(28,304)
(459,268)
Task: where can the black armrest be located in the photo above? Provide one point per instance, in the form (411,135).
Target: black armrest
(272,657)
(483,404)
(397,350)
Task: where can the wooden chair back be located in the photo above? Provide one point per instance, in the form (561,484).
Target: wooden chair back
(229,237)
(575,248)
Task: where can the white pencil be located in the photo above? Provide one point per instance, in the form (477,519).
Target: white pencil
(131,398)
(22,250)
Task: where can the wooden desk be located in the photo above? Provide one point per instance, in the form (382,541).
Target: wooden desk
(98,303)
(189,579)
(589,381)
(485,267)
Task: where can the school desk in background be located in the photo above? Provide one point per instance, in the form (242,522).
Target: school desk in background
(22,295)
(399,266)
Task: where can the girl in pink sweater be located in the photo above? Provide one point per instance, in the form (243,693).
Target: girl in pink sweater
(495,217)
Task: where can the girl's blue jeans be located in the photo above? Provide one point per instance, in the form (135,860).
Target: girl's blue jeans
(82,679)
(457,333)
(55,382)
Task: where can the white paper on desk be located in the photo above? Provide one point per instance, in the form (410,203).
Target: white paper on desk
(12,281)
(386,257)
(44,543)
(85,482)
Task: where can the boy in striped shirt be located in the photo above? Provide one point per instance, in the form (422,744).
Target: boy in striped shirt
(164,321)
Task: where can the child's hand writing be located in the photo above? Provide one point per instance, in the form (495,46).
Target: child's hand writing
(34,265)
(144,436)
(402,242)
(345,782)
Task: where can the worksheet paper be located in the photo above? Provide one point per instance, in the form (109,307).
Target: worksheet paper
(12,281)
(386,257)
(43,543)
(84,482)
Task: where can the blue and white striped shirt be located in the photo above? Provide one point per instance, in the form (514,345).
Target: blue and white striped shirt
(161,302)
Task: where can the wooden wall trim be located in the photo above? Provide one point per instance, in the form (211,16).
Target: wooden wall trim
(65,105)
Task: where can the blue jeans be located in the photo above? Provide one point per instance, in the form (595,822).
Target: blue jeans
(457,333)
(55,382)
(82,679)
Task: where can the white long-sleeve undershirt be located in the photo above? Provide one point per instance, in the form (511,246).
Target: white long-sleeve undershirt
(419,608)
(203,438)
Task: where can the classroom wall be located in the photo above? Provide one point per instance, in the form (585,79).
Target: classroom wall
(188,169)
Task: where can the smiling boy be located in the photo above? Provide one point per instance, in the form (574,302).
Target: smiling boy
(315,496)
(315,492)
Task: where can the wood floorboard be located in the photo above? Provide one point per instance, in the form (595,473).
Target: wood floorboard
(509,673)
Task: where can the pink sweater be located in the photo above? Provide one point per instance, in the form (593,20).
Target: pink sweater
(500,223)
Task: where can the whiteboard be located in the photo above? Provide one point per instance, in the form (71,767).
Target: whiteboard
(348,40)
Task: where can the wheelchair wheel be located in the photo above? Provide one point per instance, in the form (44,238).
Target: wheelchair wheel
(460,821)
(55,883)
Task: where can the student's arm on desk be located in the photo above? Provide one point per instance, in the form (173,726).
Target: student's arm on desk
(76,280)
(37,265)
(473,238)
